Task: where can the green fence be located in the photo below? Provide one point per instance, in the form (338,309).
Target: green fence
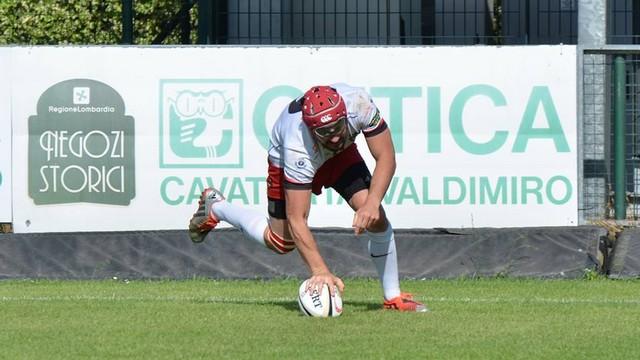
(610,141)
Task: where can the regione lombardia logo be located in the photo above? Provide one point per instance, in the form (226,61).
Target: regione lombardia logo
(81,95)
(200,123)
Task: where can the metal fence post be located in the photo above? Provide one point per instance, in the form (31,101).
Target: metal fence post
(205,9)
(619,138)
(127,21)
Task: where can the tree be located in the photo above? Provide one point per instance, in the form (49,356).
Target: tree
(87,22)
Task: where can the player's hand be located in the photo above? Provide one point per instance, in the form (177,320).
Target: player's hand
(365,217)
(317,280)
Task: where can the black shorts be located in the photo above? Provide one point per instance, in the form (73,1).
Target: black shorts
(355,178)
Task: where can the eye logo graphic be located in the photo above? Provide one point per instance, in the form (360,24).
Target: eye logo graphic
(201,123)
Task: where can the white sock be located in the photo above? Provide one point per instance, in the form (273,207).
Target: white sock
(250,222)
(382,249)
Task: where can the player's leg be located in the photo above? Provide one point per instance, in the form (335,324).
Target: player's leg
(352,180)
(213,208)
(353,186)
(348,174)
(272,233)
(277,236)
(382,247)
(382,250)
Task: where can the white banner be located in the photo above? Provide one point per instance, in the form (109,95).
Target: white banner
(109,139)
(5,139)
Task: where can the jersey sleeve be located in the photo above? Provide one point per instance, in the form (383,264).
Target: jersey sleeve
(298,170)
(369,119)
(375,125)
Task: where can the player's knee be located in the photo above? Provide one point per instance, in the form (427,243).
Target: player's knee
(379,225)
(278,244)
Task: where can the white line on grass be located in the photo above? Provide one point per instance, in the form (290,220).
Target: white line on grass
(240,300)
(533,300)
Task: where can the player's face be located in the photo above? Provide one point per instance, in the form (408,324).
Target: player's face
(332,136)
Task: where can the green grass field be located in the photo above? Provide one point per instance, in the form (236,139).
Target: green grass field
(206,319)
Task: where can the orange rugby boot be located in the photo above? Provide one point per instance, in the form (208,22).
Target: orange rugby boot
(404,302)
(204,220)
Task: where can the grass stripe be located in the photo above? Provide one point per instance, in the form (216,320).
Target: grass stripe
(249,300)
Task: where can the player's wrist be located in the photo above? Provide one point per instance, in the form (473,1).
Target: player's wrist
(320,271)
(374,201)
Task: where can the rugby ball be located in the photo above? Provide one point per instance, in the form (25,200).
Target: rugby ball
(319,305)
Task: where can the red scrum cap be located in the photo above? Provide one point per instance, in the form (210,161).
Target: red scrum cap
(322,105)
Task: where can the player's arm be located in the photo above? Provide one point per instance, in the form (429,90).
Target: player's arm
(382,150)
(298,203)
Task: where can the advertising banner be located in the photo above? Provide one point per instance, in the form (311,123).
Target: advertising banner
(110,139)
(5,139)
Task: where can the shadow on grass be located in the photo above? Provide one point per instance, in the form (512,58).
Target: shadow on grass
(292,305)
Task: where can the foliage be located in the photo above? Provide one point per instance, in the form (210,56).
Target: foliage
(152,16)
(592,274)
(86,22)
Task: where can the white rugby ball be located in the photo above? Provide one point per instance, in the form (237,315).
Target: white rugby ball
(319,305)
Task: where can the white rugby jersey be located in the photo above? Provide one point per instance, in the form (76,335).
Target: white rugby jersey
(293,147)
